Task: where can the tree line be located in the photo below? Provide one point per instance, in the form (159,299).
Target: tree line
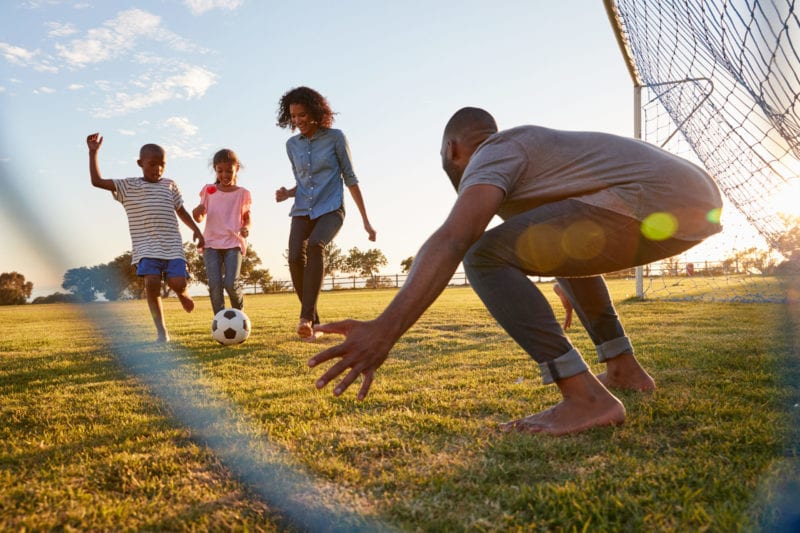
(117,279)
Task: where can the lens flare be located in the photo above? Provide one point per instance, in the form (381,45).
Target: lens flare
(583,240)
(540,246)
(659,226)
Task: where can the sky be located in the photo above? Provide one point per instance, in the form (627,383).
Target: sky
(198,75)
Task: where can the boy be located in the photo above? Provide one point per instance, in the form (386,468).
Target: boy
(151,203)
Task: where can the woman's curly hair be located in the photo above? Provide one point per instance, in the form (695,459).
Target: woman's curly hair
(316,105)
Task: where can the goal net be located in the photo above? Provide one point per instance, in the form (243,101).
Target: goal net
(718,82)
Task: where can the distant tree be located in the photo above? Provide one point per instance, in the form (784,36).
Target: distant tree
(118,279)
(276,285)
(366,263)
(250,263)
(755,259)
(671,265)
(259,277)
(334,260)
(406,264)
(380,282)
(789,243)
(56,297)
(82,282)
(195,263)
(14,290)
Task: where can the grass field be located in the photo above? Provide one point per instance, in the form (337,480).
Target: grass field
(104,431)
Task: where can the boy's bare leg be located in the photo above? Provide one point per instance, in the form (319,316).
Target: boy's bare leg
(586,404)
(178,285)
(625,372)
(152,286)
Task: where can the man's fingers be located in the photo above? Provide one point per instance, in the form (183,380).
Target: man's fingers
(369,375)
(346,382)
(335,371)
(326,355)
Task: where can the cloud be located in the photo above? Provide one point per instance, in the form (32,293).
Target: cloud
(44,90)
(183,149)
(128,133)
(22,57)
(182,142)
(60,30)
(191,82)
(74,87)
(114,38)
(119,36)
(182,124)
(17,55)
(198,7)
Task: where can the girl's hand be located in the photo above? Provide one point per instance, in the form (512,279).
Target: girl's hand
(245,231)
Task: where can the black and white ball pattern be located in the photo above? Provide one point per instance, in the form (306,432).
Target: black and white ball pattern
(230,326)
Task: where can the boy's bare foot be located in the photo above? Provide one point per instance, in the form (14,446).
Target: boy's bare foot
(624,372)
(162,338)
(571,416)
(186,302)
(305,329)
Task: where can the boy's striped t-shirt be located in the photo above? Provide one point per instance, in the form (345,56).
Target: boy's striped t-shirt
(152,220)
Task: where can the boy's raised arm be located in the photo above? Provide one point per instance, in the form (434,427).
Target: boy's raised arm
(94,141)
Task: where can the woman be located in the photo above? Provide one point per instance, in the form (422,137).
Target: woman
(320,159)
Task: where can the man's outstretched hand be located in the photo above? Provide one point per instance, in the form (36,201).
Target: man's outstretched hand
(364,350)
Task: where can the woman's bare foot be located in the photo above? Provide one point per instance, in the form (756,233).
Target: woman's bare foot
(314,336)
(586,404)
(624,372)
(305,329)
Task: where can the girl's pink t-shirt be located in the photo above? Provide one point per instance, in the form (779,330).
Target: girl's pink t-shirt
(225,217)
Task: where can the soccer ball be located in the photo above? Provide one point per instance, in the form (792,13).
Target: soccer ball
(230,326)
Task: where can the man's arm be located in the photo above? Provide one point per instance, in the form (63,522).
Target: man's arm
(367,344)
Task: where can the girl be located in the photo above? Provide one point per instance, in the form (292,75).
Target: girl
(321,165)
(227,207)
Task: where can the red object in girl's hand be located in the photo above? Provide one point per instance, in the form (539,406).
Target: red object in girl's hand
(211,189)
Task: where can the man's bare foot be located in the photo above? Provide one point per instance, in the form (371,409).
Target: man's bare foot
(305,329)
(624,372)
(571,416)
(186,302)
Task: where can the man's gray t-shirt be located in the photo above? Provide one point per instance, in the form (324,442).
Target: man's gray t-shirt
(536,166)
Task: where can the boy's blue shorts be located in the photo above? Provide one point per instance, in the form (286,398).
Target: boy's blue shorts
(171,268)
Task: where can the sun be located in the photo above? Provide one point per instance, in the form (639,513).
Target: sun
(786,199)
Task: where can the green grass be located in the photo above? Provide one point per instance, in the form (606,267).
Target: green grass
(99,429)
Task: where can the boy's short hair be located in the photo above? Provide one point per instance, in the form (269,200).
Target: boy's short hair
(150,148)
